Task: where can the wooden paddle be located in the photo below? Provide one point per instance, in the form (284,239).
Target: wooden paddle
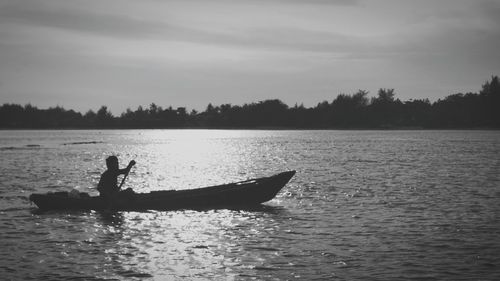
(124,177)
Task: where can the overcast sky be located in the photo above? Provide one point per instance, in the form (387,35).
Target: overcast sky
(84,54)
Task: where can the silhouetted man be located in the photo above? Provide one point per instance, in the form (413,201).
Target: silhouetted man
(108,184)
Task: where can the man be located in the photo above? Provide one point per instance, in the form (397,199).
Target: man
(108,184)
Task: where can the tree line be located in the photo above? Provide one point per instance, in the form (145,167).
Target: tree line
(355,111)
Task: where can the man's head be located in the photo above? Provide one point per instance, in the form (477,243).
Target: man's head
(112,162)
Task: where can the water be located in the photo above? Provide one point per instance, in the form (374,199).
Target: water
(364,205)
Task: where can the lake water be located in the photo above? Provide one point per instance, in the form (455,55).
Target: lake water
(364,205)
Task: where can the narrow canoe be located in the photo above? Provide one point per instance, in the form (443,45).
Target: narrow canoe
(244,193)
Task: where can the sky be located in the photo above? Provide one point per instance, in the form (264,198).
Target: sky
(122,53)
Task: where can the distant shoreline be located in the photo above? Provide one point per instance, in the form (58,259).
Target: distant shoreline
(468,111)
(258,129)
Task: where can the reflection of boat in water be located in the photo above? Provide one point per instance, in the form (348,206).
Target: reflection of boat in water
(244,193)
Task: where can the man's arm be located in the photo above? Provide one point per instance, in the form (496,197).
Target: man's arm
(126,170)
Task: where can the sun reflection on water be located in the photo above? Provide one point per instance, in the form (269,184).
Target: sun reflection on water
(184,159)
(192,244)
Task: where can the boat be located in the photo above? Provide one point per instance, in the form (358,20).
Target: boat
(232,195)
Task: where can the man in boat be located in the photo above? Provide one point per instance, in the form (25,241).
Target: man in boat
(108,184)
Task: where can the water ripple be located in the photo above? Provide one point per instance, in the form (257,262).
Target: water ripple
(367,205)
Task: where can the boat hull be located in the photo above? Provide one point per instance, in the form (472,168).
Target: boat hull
(245,193)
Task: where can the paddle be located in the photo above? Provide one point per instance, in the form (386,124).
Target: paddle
(131,164)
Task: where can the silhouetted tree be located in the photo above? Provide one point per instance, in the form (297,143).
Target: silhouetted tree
(349,111)
(471,110)
(11,116)
(385,109)
(490,100)
(104,118)
(417,113)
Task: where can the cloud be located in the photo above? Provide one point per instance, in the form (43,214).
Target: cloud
(234,36)
(38,14)
(234,29)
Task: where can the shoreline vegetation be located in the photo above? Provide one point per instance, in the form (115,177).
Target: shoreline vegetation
(357,111)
